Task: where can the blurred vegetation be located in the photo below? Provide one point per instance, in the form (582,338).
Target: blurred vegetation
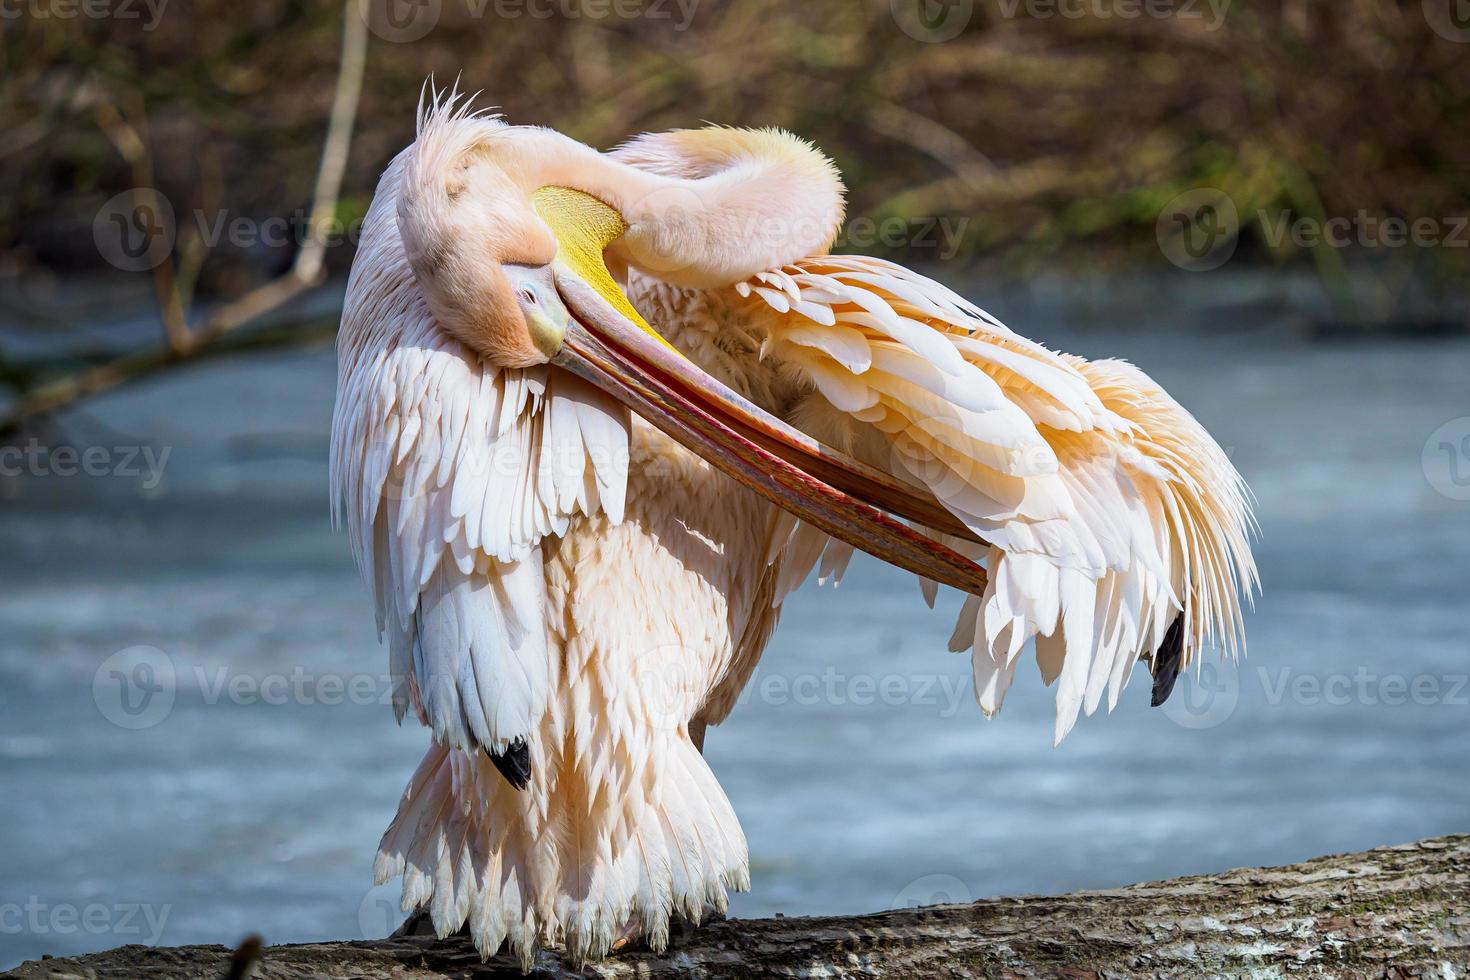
(1054,135)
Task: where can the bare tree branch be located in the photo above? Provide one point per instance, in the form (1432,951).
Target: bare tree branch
(1394,912)
(184,343)
(308,266)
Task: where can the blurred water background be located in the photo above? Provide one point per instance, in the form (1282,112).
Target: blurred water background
(863,773)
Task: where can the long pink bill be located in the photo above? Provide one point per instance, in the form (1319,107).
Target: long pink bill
(822,487)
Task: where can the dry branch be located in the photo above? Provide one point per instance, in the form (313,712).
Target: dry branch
(1394,912)
(184,343)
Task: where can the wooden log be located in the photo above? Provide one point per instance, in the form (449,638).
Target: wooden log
(1394,912)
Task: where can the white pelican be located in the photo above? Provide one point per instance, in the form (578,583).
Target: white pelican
(598,414)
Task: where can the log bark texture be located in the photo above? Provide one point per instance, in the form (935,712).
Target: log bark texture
(1394,912)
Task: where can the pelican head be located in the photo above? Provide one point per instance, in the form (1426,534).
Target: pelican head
(509,231)
(481,254)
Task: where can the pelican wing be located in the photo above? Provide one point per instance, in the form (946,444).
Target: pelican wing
(448,474)
(1109,513)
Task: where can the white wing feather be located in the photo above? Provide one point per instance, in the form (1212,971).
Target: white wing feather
(1109,510)
(448,473)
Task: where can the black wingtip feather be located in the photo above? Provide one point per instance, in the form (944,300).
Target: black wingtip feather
(514,763)
(1168,660)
